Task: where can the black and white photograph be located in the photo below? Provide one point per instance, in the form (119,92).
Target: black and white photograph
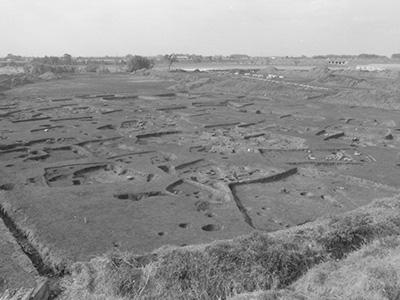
(199,150)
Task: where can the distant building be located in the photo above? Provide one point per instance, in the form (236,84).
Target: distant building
(338,62)
(239,57)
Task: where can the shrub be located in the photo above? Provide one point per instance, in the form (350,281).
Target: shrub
(91,68)
(137,62)
(36,68)
(102,69)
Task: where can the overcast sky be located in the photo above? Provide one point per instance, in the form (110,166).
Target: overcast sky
(150,27)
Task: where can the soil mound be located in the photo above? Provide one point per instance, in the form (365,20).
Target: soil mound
(142,72)
(323,75)
(190,84)
(320,73)
(9,81)
(48,76)
(268,70)
(341,80)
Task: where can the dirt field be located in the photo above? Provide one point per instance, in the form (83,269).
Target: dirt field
(93,163)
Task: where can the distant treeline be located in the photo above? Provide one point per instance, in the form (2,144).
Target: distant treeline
(69,64)
(135,62)
(359,56)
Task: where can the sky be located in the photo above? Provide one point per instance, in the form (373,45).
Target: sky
(207,27)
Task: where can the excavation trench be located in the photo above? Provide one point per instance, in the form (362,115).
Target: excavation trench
(26,246)
(242,208)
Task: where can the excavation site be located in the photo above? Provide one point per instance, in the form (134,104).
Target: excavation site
(152,167)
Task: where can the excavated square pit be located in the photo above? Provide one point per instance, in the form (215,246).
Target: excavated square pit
(84,174)
(303,197)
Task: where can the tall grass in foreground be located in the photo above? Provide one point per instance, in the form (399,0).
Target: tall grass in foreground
(371,273)
(222,269)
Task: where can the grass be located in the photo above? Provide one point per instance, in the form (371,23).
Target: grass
(298,263)
(48,262)
(373,272)
(348,233)
(370,273)
(214,272)
(223,269)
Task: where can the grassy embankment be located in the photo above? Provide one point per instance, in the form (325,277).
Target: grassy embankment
(331,258)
